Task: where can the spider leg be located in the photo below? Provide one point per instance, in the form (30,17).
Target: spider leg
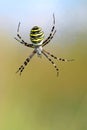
(17,39)
(53,31)
(21,40)
(18,27)
(21,68)
(49,39)
(61,59)
(18,32)
(51,62)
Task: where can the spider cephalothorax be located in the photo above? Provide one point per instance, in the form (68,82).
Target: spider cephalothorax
(38,42)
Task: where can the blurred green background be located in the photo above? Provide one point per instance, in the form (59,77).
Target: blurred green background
(38,100)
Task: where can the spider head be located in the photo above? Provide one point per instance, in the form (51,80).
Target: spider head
(36,35)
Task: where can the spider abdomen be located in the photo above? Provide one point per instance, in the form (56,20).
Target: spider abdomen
(36,35)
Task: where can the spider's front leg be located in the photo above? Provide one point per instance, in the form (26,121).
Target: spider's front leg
(57,58)
(21,68)
(20,38)
(52,62)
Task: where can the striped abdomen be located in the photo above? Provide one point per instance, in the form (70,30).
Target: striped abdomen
(36,35)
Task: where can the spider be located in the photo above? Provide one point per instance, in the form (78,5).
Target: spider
(38,42)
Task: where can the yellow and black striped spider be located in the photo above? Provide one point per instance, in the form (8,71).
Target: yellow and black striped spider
(38,42)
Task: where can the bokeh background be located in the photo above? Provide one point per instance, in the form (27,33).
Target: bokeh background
(38,100)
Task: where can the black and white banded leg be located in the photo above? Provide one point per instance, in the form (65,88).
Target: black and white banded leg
(21,68)
(21,40)
(48,40)
(53,31)
(51,62)
(61,59)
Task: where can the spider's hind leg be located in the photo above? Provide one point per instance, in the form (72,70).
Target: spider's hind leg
(18,35)
(18,31)
(19,38)
(52,33)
